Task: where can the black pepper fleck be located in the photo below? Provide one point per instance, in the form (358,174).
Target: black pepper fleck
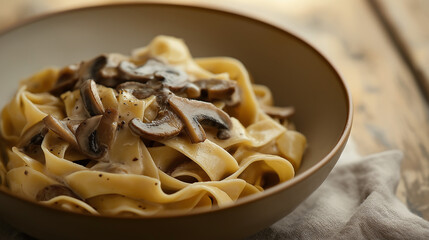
(26,172)
(135,159)
(100,175)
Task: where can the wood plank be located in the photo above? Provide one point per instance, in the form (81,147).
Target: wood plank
(390,111)
(407,21)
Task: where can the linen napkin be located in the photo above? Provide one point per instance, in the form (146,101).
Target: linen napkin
(356,201)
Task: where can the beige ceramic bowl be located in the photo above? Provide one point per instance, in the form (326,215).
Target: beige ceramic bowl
(297,74)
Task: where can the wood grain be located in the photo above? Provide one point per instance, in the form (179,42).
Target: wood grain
(390,111)
(407,22)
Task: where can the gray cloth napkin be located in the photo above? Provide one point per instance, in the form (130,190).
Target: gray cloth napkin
(356,201)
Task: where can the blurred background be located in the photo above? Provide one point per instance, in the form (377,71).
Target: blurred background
(381,47)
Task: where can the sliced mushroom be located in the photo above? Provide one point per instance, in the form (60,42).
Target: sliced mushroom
(68,77)
(193,113)
(72,124)
(166,125)
(152,69)
(91,98)
(33,136)
(55,190)
(86,136)
(192,90)
(141,90)
(128,70)
(108,125)
(90,69)
(108,75)
(216,89)
(278,112)
(60,129)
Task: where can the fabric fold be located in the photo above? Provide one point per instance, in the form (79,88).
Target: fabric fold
(357,201)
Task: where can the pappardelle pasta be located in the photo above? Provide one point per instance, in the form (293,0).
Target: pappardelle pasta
(145,134)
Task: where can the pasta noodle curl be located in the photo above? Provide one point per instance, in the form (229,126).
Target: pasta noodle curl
(110,136)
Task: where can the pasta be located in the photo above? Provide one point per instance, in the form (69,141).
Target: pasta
(146,134)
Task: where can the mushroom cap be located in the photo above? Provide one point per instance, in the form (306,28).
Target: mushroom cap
(67,79)
(32,136)
(166,125)
(108,125)
(152,69)
(60,129)
(86,136)
(90,69)
(91,98)
(216,89)
(193,113)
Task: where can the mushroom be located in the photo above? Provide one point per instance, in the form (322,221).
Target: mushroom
(128,70)
(86,136)
(152,69)
(55,190)
(90,69)
(72,124)
(108,75)
(68,77)
(32,137)
(192,90)
(193,113)
(278,112)
(107,126)
(90,98)
(166,125)
(216,89)
(60,129)
(141,90)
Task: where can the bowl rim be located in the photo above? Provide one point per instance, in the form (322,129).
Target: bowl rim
(222,11)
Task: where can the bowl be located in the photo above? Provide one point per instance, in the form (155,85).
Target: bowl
(297,74)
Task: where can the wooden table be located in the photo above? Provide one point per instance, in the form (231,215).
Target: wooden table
(381,48)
